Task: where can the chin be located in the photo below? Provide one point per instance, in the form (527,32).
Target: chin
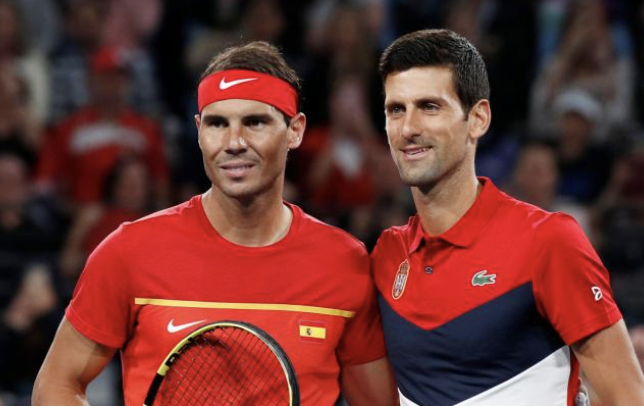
(418,178)
(239,194)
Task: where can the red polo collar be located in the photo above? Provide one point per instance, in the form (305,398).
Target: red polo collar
(468,227)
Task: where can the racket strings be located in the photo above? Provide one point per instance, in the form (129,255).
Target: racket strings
(226,366)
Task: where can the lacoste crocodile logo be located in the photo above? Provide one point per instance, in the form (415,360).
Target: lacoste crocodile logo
(481,278)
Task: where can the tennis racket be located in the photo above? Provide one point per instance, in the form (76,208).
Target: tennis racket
(229,363)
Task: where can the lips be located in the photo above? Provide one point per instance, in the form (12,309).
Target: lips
(415,152)
(236,169)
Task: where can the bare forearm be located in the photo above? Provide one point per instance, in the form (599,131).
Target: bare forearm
(72,363)
(608,361)
(48,392)
(370,384)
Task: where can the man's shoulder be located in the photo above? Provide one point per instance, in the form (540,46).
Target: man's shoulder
(396,238)
(325,233)
(162,221)
(400,232)
(546,225)
(397,231)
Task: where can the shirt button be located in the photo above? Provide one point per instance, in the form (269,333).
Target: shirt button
(429,270)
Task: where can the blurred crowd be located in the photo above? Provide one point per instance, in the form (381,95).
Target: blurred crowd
(97,99)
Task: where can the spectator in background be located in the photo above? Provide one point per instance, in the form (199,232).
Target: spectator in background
(25,232)
(126,198)
(619,221)
(535,179)
(84,22)
(20,131)
(85,34)
(42,22)
(28,301)
(27,326)
(342,44)
(131,23)
(84,148)
(589,57)
(26,63)
(584,162)
(129,27)
(263,20)
(337,176)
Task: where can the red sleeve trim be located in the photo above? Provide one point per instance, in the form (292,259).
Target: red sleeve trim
(577,332)
(92,333)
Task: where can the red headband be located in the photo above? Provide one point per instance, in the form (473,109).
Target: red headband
(248,85)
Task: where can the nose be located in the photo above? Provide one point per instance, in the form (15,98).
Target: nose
(410,125)
(236,143)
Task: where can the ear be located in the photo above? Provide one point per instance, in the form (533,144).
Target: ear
(479,119)
(295,131)
(198,124)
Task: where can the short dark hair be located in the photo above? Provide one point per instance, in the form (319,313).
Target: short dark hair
(440,47)
(258,56)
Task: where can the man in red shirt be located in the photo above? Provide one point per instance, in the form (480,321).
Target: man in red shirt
(237,252)
(85,147)
(485,300)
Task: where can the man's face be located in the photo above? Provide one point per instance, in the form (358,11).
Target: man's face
(429,134)
(109,88)
(244,144)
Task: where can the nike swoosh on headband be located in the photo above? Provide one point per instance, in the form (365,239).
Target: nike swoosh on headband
(223,85)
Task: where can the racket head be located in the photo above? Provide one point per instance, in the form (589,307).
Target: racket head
(227,362)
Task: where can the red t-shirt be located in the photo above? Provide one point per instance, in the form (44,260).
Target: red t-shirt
(151,278)
(82,151)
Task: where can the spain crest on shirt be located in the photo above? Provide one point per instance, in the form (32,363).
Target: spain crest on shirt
(400,281)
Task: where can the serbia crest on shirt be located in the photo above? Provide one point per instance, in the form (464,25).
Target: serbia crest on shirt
(484,313)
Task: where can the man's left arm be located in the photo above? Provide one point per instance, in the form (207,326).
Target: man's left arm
(608,360)
(369,384)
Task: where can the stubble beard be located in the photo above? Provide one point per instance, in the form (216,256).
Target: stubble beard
(248,191)
(421,176)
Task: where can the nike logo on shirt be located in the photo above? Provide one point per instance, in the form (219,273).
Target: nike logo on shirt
(173,329)
(223,85)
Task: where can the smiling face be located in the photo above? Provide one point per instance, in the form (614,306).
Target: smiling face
(430,135)
(244,144)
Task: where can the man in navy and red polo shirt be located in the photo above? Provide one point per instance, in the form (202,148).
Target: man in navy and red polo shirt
(486,300)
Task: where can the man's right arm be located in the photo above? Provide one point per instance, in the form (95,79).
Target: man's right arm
(72,362)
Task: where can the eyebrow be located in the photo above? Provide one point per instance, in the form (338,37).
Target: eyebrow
(417,102)
(433,100)
(263,117)
(210,118)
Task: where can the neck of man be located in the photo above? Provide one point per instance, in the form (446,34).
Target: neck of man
(442,204)
(254,222)
(109,111)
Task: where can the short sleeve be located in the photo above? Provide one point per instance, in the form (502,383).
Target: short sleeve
(363,340)
(101,306)
(571,284)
